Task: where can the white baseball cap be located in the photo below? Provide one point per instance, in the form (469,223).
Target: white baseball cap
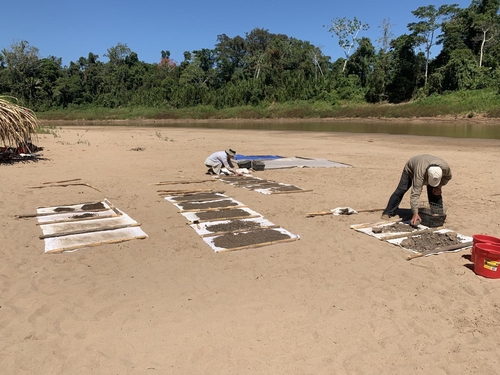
(434,175)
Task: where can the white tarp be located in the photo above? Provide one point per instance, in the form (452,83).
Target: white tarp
(200,225)
(192,204)
(202,230)
(192,198)
(72,208)
(381,236)
(61,230)
(461,237)
(79,241)
(87,225)
(301,162)
(76,216)
(274,190)
(291,237)
(194,217)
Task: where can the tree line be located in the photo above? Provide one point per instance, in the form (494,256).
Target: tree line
(263,67)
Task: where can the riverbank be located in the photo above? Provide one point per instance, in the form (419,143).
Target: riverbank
(415,120)
(471,106)
(335,302)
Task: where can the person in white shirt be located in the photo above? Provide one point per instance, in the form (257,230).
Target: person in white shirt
(220,159)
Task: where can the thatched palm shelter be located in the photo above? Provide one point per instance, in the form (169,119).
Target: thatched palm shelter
(18,125)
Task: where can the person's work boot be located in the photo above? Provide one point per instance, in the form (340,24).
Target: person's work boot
(385,217)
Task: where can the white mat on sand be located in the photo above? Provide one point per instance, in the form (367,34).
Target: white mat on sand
(301,162)
(275,189)
(60,229)
(461,237)
(95,224)
(79,241)
(54,218)
(291,237)
(193,216)
(381,236)
(248,237)
(202,230)
(213,203)
(191,198)
(71,209)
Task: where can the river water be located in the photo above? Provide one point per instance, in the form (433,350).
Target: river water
(436,129)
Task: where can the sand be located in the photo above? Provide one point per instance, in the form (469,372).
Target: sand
(335,302)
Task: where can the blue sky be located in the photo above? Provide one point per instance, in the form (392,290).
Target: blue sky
(72,29)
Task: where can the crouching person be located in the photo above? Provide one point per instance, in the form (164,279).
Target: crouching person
(220,159)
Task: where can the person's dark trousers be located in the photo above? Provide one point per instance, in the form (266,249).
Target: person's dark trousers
(436,201)
(403,186)
(396,197)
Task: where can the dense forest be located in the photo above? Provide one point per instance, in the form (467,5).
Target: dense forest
(264,68)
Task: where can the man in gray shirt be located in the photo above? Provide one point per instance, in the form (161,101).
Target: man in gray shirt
(220,159)
(420,170)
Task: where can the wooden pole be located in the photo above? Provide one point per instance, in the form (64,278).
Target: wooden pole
(291,191)
(78,219)
(58,213)
(182,182)
(313,214)
(65,185)
(183,192)
(69,204)
(112,206)
(85,231)
(55,251)
(58,182)
(410,234)
(368,225)
(440,250)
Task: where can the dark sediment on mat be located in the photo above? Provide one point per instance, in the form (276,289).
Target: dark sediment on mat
(286,188)
(394,228)
(430,241)
(209,204)
(196,197)
(233,225)
(92,206)
(209,215)
(64,209)
(230,241)
(83,216)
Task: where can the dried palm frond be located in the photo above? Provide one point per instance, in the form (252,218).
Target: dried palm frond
(18,125)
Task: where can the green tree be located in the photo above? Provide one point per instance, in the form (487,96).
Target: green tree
(21,62)
(461,72)
(381,69)
(50,69)
(431,19)
(118,54)
(489,31)
(404,69)
(362,61)
(347,31)
(230,56)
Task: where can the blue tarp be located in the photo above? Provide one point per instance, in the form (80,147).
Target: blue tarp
(256,157)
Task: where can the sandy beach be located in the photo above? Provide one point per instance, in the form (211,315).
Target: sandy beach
(336,301)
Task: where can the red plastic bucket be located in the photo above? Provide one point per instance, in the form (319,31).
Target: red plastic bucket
(487,262)
(481,238)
